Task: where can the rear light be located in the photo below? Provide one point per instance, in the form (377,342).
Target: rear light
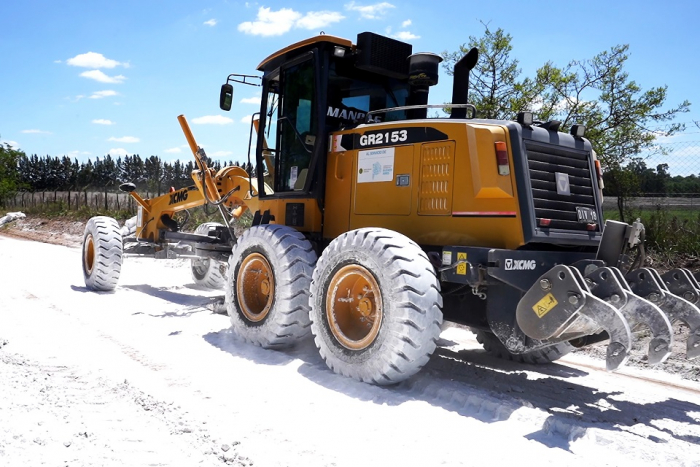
(502,158)
(545,222)
(599,172)
(591,227)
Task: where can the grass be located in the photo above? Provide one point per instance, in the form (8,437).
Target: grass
(672,235)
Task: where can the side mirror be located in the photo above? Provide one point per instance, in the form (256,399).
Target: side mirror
(226,97)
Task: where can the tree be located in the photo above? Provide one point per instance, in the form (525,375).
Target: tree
(153,168)
(622,119)
(9,171)
(494,87)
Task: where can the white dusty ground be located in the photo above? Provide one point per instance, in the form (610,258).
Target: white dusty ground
(149,375)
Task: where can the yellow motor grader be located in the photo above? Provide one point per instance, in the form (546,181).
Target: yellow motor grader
(372,223)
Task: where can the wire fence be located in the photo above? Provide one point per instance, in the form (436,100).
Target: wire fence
(682,158)
(73,200)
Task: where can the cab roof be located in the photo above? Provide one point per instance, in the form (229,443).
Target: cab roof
(275,59)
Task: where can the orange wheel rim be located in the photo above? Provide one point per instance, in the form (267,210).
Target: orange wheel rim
(354,307)
(89,254)
(255,287)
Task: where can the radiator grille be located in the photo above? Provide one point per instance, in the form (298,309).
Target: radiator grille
(437,162)
(544,161)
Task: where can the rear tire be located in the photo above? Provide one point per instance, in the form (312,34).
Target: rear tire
(206,272)
(495,347)
(267,290)
(102,253)
(375,306)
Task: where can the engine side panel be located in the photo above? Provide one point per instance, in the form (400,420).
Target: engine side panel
(440,184)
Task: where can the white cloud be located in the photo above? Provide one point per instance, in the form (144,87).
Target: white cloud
(125,139)
(212,22)
(318,19)
(102,121)
(276,23)
(97,75)
(36,132)
(405,36)
(94,60)
(101,94)
(246,119)
(212,120)
(13,144)
(173,151)
(251,100)
(220,154)
(117,152)
(270,23)
(370,11)
(406,23)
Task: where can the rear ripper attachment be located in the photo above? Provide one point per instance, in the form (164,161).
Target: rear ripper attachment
(593,300)
(579,298)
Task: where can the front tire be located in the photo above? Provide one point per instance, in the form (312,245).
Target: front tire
(102,253)
(375,306)
(206,272)
(267,290)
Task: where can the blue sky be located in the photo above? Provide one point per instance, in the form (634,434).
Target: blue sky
(87,78)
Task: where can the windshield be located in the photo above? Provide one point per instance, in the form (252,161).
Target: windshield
(352,93)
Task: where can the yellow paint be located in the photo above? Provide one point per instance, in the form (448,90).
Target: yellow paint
(461,268)
(545,305)
(450,181)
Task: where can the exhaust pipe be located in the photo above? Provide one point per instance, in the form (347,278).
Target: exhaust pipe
(460,86)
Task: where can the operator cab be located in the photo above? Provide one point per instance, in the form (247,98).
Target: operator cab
(316,87)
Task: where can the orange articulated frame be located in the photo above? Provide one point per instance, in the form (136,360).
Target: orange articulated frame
(231,186)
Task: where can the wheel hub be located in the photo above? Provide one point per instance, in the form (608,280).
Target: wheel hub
(89,254)
(354,307)
(254,287)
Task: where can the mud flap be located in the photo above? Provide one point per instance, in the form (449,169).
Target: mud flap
(647,283)
(560,305)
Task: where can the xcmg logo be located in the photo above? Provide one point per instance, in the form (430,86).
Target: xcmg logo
(178,196)
(520,264)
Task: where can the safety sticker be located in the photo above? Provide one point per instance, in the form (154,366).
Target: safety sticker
(376,165)
(461,267)
(545,305)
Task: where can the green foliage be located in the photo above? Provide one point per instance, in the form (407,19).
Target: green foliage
(151,175)
(59,209)
(621,118)
(494,86)
(9,172)
(673,234)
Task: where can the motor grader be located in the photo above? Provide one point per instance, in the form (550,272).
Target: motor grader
(373,222)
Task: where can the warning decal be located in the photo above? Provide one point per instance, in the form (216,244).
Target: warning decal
(545,305)
(462,267)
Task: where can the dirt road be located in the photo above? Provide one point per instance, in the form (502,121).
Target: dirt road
(150,375)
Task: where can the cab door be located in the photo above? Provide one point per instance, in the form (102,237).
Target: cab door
(291,129)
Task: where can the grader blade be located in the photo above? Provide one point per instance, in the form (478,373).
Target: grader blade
(560,304)
(647,283)
(609,285)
